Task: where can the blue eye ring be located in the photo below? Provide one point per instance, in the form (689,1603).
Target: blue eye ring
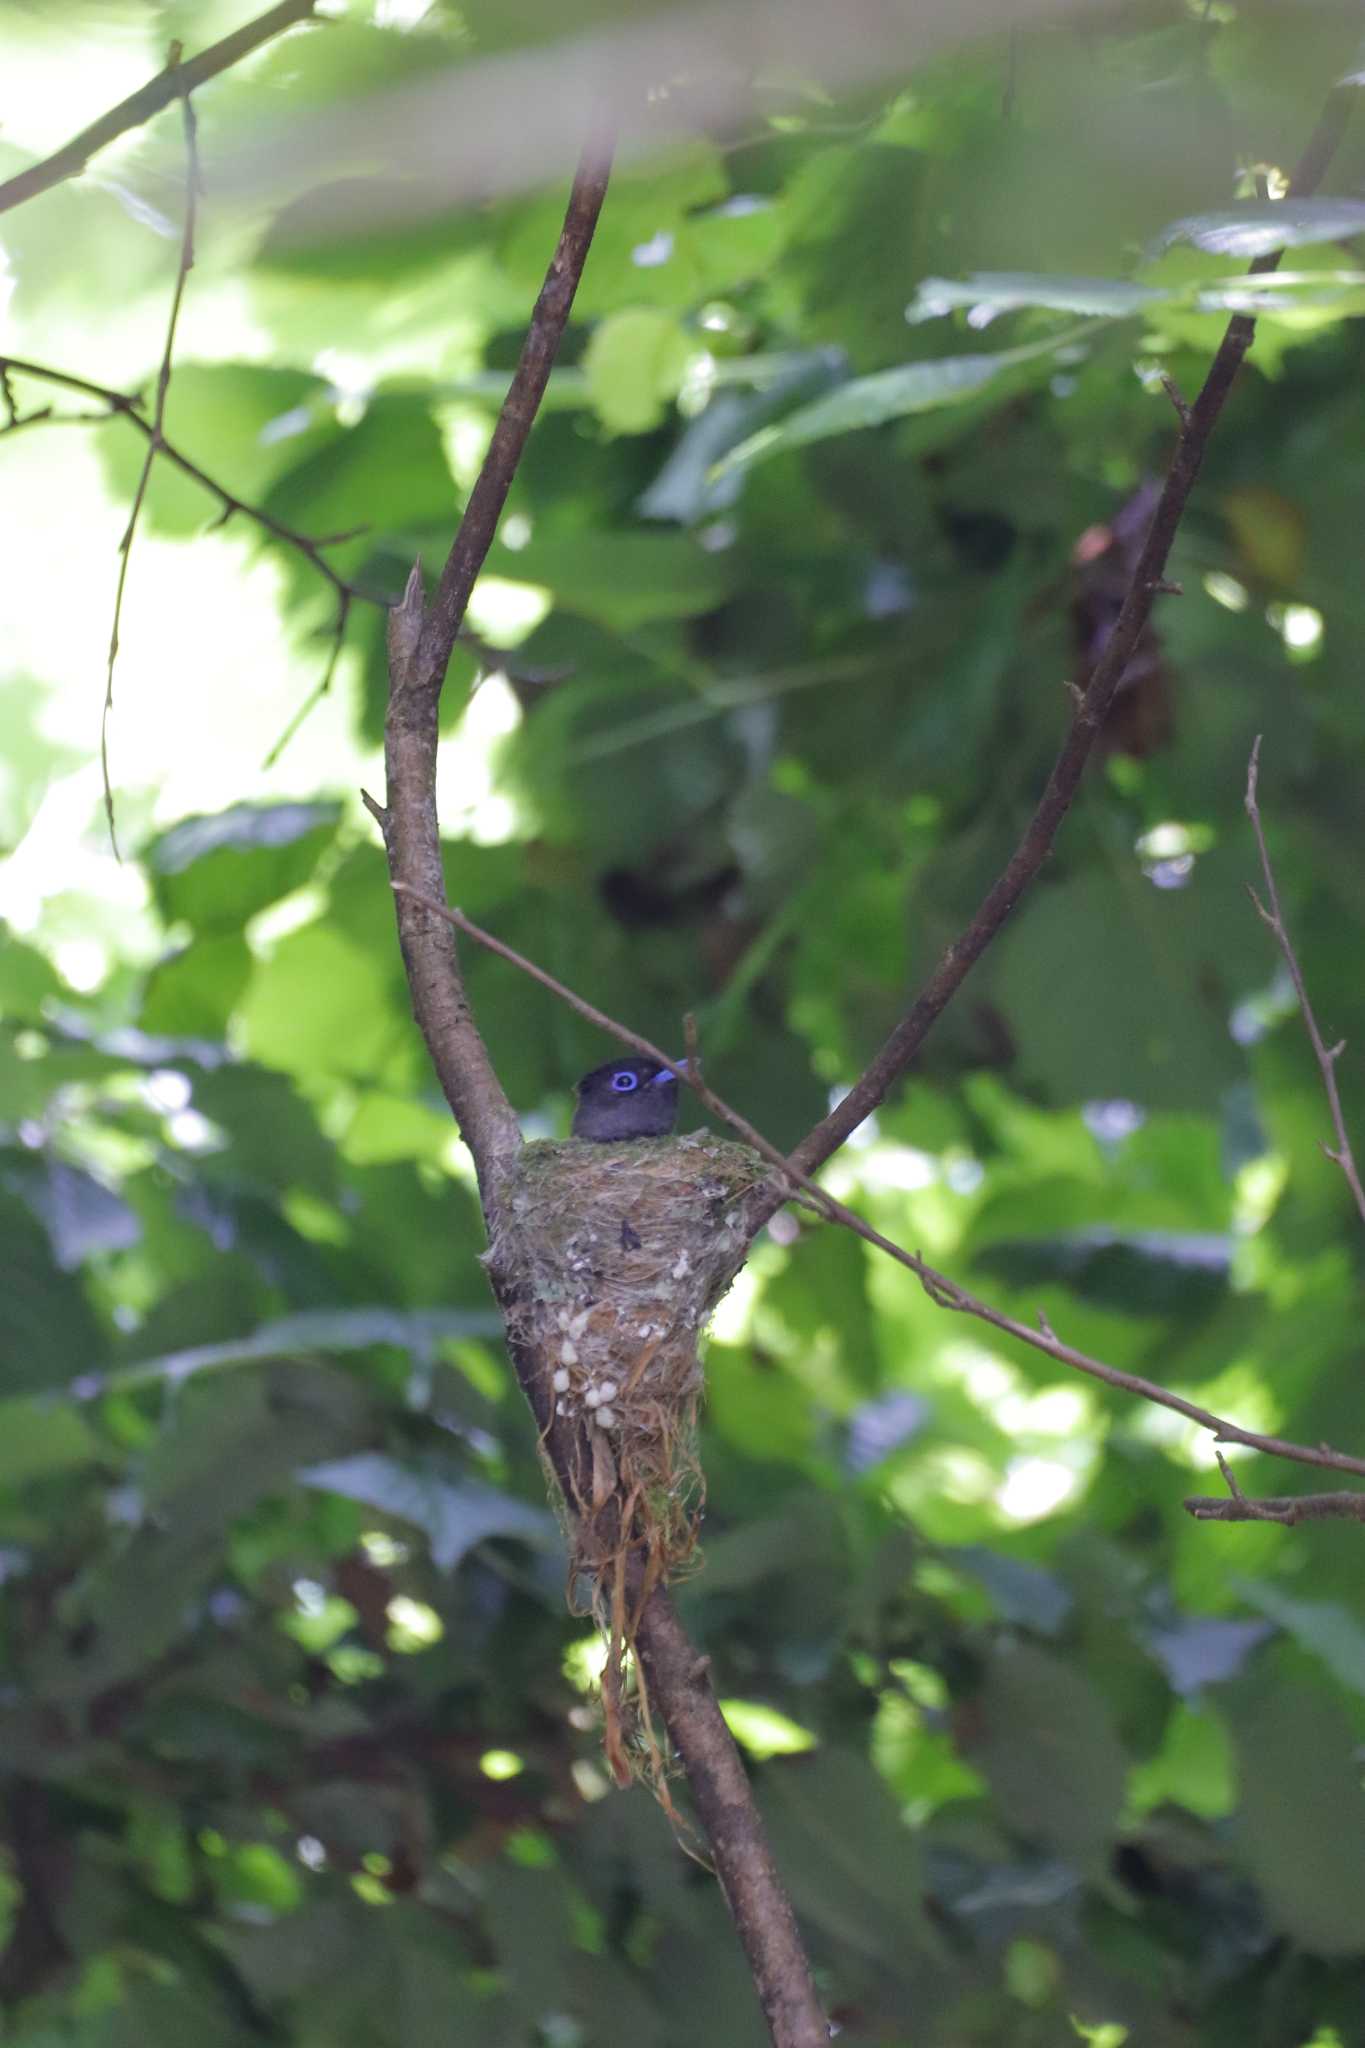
(624,1083)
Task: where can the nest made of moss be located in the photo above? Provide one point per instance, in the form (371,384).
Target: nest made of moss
(618,1254)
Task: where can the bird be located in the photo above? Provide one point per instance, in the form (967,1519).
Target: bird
(626,1099)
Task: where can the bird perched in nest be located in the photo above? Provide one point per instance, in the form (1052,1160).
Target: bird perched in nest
(626,1099)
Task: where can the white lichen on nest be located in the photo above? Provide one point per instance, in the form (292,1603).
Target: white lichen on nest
(619,1254)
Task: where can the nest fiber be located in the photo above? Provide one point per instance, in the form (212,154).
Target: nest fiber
(619,1253)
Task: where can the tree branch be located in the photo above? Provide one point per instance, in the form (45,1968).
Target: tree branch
(1091,707)
(1286,1509)
(420,644)
(420,647)
(475,536)
(163,384)
(680,1681)
(1289,1509)
(176,81)
(1325,1055)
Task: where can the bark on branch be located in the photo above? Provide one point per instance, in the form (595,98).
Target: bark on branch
(421,639)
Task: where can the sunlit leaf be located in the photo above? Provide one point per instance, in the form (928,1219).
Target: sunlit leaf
(1004,291)
(1256,227)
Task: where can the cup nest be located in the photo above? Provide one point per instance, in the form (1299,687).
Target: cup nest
(617,1255)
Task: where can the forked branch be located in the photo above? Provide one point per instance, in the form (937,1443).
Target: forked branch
(420,642)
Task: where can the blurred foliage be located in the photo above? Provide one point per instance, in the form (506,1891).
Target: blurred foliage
(298,1734)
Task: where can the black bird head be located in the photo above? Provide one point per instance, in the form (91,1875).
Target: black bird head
(626,1099)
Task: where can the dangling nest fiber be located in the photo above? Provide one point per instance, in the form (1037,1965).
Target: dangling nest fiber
(617,1255)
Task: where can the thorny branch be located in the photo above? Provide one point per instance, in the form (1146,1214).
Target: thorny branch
(1326,1055)
(1091,706)
(163,385)
(177,81)
(941,1290)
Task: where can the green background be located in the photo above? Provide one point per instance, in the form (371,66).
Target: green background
(298,1734)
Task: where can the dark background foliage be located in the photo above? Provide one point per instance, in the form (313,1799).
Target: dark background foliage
(298,1734)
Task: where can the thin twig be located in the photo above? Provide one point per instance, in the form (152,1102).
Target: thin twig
(1325,1055)
(311,702)
(1285,1508)
(163,385)
(445,615)
(946,1293)
(1288,1508)
(175,82)
(1091,707)
(128,406)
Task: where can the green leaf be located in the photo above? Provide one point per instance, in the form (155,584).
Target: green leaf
(763,1732)
(27,979)
(455,1514)
(1302,1818)
(1049,1749)
(39,1437)
(626,580)
(289,1013)
(47,1332)
(851,1864)
(1004,291)
(1257,227)
(893,394)
(318,1330)
(1147,960)
(635,364)
(192,993)
(219,871)
(1326,1629)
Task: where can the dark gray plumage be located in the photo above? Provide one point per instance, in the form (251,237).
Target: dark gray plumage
(626,1099)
